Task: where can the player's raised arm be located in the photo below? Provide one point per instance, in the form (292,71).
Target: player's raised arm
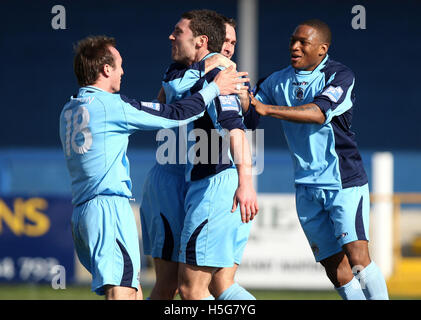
(157,115)
(218,60)
(181,77)
(214,61)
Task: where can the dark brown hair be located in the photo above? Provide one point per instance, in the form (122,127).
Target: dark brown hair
(230,21)
(91,54)
(208,23)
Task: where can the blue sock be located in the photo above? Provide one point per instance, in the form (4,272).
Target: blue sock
(373,283)
(209,298)
(236,292)
(351,291)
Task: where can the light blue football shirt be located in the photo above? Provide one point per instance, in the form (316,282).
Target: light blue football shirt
(177,82)
(326,155)
(94,129)
(211,156)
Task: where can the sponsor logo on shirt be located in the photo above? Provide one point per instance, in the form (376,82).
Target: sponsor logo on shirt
(151,105)
(303,83)
(343,235)
(87,100)
(333,93)
(229,103)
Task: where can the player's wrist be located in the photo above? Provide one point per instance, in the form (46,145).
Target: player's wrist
(245,176)
(260,107)
(210,92)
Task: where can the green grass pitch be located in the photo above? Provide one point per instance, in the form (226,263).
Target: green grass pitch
(45,292)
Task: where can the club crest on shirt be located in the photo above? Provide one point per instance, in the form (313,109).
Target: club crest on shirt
(299,93)
(151,105)
(333,93)
(229,103)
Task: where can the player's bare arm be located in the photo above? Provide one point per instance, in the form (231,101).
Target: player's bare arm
(306,113)
(245,195)
(218,60)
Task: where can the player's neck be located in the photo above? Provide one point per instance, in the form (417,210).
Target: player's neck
(201,54)
(103,85)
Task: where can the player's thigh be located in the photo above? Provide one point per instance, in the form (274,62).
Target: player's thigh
(108,234)
(162,213)
(210,228)
(315,222)
(349,212)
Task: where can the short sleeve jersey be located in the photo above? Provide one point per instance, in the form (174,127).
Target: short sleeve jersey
(324,155)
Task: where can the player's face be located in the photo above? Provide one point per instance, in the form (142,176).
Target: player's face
(228,47)
(116,72)
(306,48)
(183,43)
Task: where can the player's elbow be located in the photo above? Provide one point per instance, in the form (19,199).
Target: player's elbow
(320,119)
(319,116)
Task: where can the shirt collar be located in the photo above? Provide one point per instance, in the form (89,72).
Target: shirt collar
(92,88)
(318,68)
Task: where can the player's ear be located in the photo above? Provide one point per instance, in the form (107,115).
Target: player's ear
(202,40)
(106,70)
(324,47)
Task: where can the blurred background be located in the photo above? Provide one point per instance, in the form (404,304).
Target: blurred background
(378,40)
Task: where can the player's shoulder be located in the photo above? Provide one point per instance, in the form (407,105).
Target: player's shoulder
(86,98)
(105,99)
(128,102)
(177,70)
(339,69)
(281,75)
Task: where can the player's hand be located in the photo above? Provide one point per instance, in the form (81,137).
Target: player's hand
(218,60)
(260,107)
(229,81)
(246,197)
